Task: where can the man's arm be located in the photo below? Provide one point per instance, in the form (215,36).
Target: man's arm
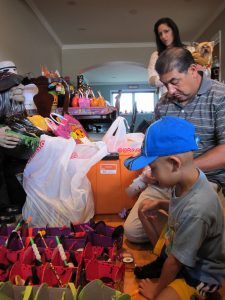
(212,159)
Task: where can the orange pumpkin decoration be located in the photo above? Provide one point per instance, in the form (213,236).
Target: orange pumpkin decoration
(101,102)
(94,102)
(74,101)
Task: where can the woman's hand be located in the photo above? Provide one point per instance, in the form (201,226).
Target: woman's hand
(8,140)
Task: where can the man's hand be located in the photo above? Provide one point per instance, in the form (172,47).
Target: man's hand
(8,140)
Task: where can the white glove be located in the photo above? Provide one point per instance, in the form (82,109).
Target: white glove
(16,93)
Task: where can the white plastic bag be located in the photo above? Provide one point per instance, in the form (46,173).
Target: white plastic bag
(58,190)
(115,136)
(135,139)
(117,140)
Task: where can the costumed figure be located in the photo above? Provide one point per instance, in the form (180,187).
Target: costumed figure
(11,102)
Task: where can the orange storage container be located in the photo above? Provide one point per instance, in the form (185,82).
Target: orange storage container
(109,179)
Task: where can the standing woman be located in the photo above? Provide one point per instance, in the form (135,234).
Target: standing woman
(167,35)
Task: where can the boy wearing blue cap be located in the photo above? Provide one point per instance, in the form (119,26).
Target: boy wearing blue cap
(195,245)
(200,100)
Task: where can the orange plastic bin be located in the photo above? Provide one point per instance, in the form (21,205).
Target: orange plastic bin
(109,179)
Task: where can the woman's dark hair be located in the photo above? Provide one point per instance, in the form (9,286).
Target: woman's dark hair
(176,35)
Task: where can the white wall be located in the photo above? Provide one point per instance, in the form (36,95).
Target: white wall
(25,41)
(76,60)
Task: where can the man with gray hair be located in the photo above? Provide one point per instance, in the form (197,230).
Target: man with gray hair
(200,100)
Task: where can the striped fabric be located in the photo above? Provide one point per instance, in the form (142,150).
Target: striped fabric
(207,112)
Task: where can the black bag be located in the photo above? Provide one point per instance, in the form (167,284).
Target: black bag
(142,127)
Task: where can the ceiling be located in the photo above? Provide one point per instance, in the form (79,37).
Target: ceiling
(75,22)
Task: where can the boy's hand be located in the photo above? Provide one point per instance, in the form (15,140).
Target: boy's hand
(170,269)
(8,140)
(150,208)
(147,288)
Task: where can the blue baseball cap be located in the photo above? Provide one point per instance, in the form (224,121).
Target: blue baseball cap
(167,136)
